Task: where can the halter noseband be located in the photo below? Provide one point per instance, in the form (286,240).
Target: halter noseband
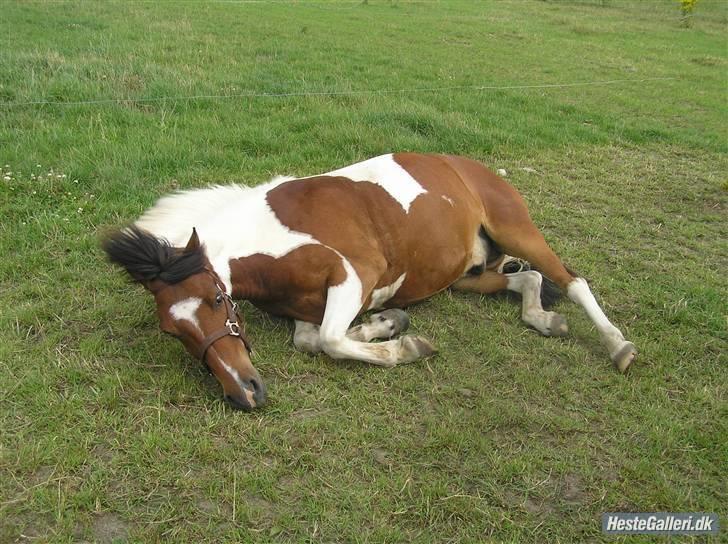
(232,326)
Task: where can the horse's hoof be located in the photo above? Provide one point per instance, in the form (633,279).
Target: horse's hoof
(417,347)
(624,357)
(397,319)
(558,326)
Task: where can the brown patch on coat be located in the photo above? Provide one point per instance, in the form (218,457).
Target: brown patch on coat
(293,286)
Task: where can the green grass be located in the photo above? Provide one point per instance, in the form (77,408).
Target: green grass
(110,431)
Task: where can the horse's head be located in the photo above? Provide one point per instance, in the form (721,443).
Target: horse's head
(193,306)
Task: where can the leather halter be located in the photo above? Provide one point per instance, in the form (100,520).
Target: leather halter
(232,325)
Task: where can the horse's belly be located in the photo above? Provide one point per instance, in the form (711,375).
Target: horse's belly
(442,246)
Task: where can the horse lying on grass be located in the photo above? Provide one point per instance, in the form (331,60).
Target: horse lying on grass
(383,233)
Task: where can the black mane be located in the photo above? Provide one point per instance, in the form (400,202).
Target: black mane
(146,257)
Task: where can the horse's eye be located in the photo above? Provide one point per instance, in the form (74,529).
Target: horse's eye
(218,299)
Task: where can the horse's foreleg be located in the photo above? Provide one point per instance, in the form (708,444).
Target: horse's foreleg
(386,324)
(343,303)
(528,284)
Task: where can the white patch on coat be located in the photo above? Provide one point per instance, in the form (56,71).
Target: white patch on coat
(186,310)
(388,174)
(351,286)
(449,200)
(478,255)
(232,221)
(383,294)
(234,373)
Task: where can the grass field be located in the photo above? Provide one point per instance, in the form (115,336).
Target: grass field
(111,432)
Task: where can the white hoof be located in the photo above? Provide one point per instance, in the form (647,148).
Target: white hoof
(623,357)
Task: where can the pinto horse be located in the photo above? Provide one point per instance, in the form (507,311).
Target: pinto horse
(379,234)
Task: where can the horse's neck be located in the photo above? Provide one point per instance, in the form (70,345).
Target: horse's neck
(217,212)
(247,277)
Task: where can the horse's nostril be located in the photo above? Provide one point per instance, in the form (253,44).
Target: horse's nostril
(237,404)
(258,390)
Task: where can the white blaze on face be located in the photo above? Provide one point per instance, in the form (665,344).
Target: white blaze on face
(234,373)
(186,310)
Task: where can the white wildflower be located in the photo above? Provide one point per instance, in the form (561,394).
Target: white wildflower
(6,178)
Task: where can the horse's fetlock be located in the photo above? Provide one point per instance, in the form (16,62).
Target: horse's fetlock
(558,325)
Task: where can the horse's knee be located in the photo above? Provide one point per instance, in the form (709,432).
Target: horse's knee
(528,284)
(306,345)
(306,338)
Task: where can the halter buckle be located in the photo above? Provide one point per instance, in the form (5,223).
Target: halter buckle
(233,327)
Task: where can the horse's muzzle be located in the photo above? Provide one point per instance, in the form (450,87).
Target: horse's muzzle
(253,396)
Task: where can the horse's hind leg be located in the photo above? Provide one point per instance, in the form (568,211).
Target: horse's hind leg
(528,284)
(525,241)
(621,351)
(507,222)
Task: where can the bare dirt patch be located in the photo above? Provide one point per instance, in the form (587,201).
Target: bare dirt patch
(532,505)
(42,475)
(109,528)
(573,489)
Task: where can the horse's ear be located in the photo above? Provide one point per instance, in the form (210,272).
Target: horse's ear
(194,242)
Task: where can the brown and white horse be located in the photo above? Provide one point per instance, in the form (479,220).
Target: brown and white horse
(383,233)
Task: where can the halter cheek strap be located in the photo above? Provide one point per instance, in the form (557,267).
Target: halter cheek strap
(232,325)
